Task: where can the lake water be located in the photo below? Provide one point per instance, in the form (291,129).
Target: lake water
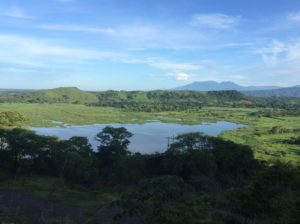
(148,138)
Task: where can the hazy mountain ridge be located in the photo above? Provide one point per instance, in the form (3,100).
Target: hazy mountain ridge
(216,86)
(282,92)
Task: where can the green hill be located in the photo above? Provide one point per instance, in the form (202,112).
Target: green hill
(59,95)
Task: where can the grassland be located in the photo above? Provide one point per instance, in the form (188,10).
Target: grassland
(257,134)
(42,115)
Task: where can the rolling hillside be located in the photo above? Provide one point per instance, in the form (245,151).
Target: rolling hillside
(58,95)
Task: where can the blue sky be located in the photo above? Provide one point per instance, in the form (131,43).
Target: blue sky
(148,44)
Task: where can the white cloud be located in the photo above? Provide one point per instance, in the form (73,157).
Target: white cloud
(177,66)
(16,12)
(281,61)
(139,35)
(215,21)
(235,45)
(171,65)
(76,28)
(27,47)
(278,52)
(34,54)
(26,51)
(180,76)
(270,54)
(293,51)
(294,17)
(135,32)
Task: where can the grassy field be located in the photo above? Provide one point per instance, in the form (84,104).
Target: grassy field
(41,115)
(257,134)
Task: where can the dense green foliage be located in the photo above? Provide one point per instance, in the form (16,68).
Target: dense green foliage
(169,100)
(187,100)
(199,179)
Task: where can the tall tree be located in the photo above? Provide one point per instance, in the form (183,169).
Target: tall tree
(112,151)
(115,140)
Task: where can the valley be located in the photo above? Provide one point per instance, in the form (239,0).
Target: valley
(149,112)
(258,134)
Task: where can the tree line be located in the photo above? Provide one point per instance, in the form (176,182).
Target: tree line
(198,179)
(158,100)
(153,101)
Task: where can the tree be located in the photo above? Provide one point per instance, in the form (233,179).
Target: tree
(112,150)
(114,140)
(191,141)
(18,147)
(79,160)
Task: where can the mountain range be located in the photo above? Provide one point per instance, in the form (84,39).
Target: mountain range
(216,86)
(73,94)
(260,91)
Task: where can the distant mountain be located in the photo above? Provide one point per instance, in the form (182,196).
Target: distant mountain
(216,86)
(282,92)
(59,95)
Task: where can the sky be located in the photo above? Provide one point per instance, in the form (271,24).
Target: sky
(148,44)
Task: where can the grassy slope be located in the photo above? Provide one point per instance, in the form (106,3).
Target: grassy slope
(49,188)
(60,95)
(257,134)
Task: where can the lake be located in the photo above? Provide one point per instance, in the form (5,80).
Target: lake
(148,137)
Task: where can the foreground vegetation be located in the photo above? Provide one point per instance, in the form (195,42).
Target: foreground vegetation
(199,179)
